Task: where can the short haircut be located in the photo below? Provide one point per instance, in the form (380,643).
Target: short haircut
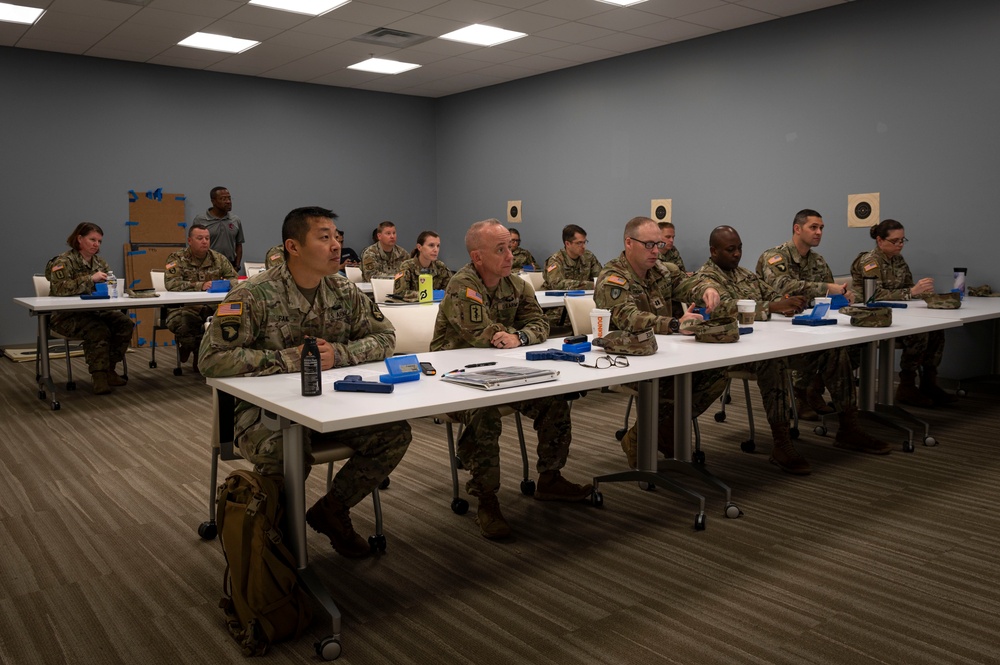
(632,225)
(340,232)
(194,227)
(82,229)
(421,239)
(665,225)
(570,230)
(383,226)
(515,232)
(802,215)
(474,236)
(882,229)
(296,224)
(714,239)
(216,190)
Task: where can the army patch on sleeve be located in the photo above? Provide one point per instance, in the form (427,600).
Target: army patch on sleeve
(616,279)
(871,266)
(170,266)
(777,258)
(276,257)
(476,314)
(230,330)
(376,312)
(550,267)
(229,309)
(616,293)
(473,295)
(398,275)
(781,268)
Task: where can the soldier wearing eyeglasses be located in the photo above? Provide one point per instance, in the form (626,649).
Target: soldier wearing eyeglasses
(639,291)
(574,266)
(922,351)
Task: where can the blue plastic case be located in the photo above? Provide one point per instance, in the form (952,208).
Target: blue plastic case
(401,369)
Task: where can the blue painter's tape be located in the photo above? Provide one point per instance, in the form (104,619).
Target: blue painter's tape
(135,251)
(156,194)
(131,223)
(142,341)
(180,198)
(132,284)
(131,315)
(132,198)
(183,225)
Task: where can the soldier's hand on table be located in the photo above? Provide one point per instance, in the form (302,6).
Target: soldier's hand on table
(789,305)
(206,286)
(689,315)
(711,299)
(505,340)
(326,355)
(99,277)
(926,285)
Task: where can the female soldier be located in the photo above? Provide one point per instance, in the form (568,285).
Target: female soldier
(423,259)
(105,333)
(895,282)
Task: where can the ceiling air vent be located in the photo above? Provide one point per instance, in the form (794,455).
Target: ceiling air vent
(391,38)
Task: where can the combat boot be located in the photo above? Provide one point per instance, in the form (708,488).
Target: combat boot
(814,396)
(783,453)
(553,487)
(489,518)
(802,407)
(331,518)
(851,436)
(630,446)
(930,387)
(907,392)
(115,380)
(100,380)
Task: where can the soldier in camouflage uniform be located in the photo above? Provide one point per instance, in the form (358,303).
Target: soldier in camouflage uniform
(723,273)
(274,257)
(259,329)
(895,282)
(484,306)
(574,266)
(669,253)
(105,333)
(638,290)
(423,259)
(384,257)
(522,257)
(194,269)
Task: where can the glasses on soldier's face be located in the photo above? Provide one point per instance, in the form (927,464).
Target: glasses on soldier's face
(897,241)
(649,244)
(604,362)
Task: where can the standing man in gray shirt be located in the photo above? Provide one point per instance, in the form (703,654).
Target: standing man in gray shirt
(225,228)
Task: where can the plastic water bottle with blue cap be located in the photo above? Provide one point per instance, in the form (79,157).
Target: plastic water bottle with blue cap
(112,284)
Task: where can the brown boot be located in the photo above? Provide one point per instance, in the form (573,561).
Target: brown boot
(331,518)
(802,407)
(930,387)
(630,446)
(553,487)
(115,380)
(907,392)
(489,518)
(814,396)
(783,453)
(100,380)
(851,436)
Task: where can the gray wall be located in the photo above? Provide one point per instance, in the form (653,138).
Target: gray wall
(747,127)
(78,133)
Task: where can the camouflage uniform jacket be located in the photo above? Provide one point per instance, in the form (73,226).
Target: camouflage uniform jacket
(637,304)
(732,285)
(523,257)
(69,274)
(407,282)
(792,274)
(275,256)
(562,272)
(894,277)
(471,314)
(376,263)
(673,256)
(186,273)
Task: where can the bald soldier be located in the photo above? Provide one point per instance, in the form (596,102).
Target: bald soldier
(260,329)
(638,289)
(484,306)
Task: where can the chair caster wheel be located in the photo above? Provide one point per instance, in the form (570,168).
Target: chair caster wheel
(528,487)
(620,434)
(178,371)
(698,457)
(733,511)
(597,499)
(152,364)
(55,405)
(748,446)
(328,649)
(699,522)
(819,430)
(208,530)
(459,506)
(793,433)
(961,392)
(71,385)
(384,485)
(907,446)
(377,543)
(720,417)
(930,441)
(458,463)
(647,487)
(729,399)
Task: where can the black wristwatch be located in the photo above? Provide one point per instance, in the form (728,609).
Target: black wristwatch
(522,337)
(674,326)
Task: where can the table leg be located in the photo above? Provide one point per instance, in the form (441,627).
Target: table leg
(46,387)
(885,405)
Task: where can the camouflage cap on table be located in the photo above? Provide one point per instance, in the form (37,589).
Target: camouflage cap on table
(943,300)
(628,344)
(868,317)
(717,330)
(983,291)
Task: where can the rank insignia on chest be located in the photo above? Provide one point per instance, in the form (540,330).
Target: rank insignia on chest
(657,303)
(476,314)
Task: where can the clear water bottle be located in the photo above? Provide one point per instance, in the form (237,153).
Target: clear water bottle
(312,381)
(959,286)
(112,284)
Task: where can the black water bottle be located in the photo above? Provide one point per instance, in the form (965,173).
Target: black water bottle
(312,381)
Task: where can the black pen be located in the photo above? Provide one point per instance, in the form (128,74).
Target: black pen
(480,364)
(455,371)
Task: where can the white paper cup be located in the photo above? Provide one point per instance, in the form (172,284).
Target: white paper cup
(747,310)
(600,319)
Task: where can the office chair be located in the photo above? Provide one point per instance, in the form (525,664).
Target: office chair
(381,287)
(42,288)
(749,445)
(353,274)
(158,276)
(251,268)
(536,279)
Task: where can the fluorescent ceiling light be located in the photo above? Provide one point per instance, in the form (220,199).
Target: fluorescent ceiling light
(622,3)
(310,7)
(19,14)
(381,66)
(212,42)
(483,35)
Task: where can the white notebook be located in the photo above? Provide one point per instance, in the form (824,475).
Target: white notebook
(496,378)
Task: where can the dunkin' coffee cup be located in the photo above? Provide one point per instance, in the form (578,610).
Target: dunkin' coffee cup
(600,320)
(747,310)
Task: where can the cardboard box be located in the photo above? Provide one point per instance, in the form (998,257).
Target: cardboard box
(139,260)
(155,217)
(142,334)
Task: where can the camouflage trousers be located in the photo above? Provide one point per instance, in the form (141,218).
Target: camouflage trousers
(706,387)
(772,382)
(106,335)
(377,451)
(188,325)
(479,445)
(921,350)
(834,367)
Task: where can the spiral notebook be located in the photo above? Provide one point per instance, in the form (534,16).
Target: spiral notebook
(497,378)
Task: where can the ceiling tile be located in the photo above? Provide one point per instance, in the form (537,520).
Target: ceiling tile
(671,30)
(307,41)
(210,8)
(57,45)
(541,63)
(242,30)
(53,20)
(728,17)
(11,32)
(467,11)
(156,18)
(255,15)
(621,19)
(580,53)
(622,42)
(421,24)
(100,51)
(573,32)
(571,10)
(336,29)
(93,8)
(678,8)
(402,5)
(260,59)
(788,7)
(530,44)
(357,12)
(181,56)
